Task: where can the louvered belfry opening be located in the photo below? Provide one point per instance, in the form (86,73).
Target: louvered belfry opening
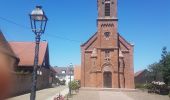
(107,9)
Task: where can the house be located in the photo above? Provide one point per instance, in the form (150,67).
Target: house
(107,57)
(144,77)
(23,72)
(64,73)
(6,49)
(53,80)
(141,77)
(77,72)
(8,61)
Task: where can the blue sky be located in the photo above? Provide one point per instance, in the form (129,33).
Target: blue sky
(145,23)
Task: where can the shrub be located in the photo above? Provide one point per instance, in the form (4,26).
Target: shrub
(141,86)
(149,86)
(169,94)
(74,85)
(63,82)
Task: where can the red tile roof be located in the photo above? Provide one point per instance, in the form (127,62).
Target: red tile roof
(139,72)
(25,52)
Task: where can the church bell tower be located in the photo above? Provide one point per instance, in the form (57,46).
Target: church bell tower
(107,9)
(107,23)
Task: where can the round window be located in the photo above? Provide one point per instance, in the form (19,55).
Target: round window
(107,35)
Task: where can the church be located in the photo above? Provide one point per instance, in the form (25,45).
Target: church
(107,58)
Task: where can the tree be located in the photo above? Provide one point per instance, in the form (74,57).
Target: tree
(154,71)
(165,65)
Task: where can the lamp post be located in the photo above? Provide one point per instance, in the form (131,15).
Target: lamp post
(71,65)
(38,21)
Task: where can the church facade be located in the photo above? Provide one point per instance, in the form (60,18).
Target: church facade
(107,58)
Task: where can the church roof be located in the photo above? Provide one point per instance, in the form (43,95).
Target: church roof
(121,39)
(89,39)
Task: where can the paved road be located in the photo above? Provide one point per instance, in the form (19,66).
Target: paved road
(110,95)
(49,94)
(42,94)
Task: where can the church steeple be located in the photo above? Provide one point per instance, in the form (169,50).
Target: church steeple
(107,23)
(107,9)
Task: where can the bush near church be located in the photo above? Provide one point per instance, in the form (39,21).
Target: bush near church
(74,85)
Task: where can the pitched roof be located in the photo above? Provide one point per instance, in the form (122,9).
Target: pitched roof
(94,35)
(5,47)
(139,72)
(121,39)
(53,70)
(25,52)
(60,69)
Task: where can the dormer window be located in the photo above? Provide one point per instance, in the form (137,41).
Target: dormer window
(107,9)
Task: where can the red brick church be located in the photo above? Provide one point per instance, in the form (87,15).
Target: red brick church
(107,58)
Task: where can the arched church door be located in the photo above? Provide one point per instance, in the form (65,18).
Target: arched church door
(107,78)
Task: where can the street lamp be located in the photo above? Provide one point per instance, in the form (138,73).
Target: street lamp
(71,65)
(38,21)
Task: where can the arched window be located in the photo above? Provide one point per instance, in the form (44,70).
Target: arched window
(107,55)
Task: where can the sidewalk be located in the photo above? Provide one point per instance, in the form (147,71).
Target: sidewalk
(45,94)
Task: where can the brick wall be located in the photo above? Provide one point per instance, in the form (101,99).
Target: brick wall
(22,83)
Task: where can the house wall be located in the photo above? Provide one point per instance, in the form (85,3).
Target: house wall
(77,73)
(23,82)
